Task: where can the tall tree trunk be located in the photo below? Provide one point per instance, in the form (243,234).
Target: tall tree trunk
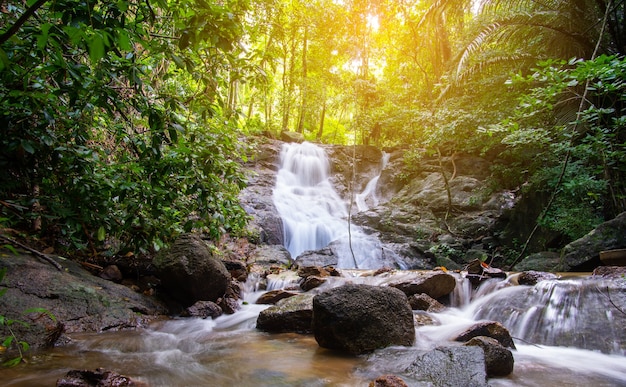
(320,131)
(304,83)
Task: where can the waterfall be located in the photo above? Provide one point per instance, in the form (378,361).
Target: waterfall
(314,215)
(312,212)
(368,197)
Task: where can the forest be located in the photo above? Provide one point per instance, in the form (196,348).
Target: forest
(124,123)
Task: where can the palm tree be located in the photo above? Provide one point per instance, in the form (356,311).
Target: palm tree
(523,32)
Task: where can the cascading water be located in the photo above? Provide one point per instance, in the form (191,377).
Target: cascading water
(314,215)
(230,351)
(368,198)
(312,212)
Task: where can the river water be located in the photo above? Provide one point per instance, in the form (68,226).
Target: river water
(229,351)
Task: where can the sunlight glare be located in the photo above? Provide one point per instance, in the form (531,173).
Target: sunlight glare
(373,23)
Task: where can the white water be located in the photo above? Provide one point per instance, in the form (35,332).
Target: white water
(230,351)
(314,215)
(368,198)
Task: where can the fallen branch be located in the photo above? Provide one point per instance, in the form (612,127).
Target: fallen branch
(38,254)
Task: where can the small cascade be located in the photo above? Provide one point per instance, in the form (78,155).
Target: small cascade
(574,313)
(368,197)
(314,215)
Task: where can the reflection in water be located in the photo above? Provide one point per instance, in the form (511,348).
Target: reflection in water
(229,351)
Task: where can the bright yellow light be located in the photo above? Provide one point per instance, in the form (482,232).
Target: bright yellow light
(372,22)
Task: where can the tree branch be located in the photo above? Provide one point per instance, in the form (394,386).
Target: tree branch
(20,22)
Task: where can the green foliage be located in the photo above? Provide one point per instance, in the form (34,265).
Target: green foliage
(547,129)
(114,123)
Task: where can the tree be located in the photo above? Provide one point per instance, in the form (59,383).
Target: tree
(113,120)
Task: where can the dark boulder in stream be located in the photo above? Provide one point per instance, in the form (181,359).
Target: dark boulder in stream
(434,284)
(292,314)
(498,360)
(361,318)
(584,253)
(189,272)
(491,329)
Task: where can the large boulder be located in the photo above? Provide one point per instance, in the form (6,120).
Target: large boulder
(434,283)
(292,314)
(361,318)
(584,253)
(189,272)
(78,300)
(450,366)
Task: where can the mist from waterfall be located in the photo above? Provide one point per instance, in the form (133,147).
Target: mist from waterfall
(313,213)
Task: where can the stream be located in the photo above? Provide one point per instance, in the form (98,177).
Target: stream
(555,346)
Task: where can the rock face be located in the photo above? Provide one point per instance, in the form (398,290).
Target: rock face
(451,366)
(293,314)
(97,378)
(361,318)
(79,301)
(584,253)
(189,272)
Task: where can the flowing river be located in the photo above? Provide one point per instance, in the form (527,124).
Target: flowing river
(567,333)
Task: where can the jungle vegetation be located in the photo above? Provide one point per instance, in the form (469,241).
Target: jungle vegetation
(121,121)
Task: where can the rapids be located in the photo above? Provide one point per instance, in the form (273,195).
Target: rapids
(229,351)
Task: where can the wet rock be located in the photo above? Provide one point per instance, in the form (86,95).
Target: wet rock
(541,261)
(425,302)
(237,270)
(498,359)
(273,296)
(189,272)
(322,257)
(584,253)
(388,381)
(97,378)
(434,284)
(532,277)
(306,271)
(79,301)
(293,314)
(451,366)
(271,255)
(228,305)
(203,309)
(421,319)
(288,136)
(478,271)
(491,329)
(311,282)
(610,271)
(361,318)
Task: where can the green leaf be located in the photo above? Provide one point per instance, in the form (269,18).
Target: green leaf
(101,233)
(96,47)
(13,362)
(41,311)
